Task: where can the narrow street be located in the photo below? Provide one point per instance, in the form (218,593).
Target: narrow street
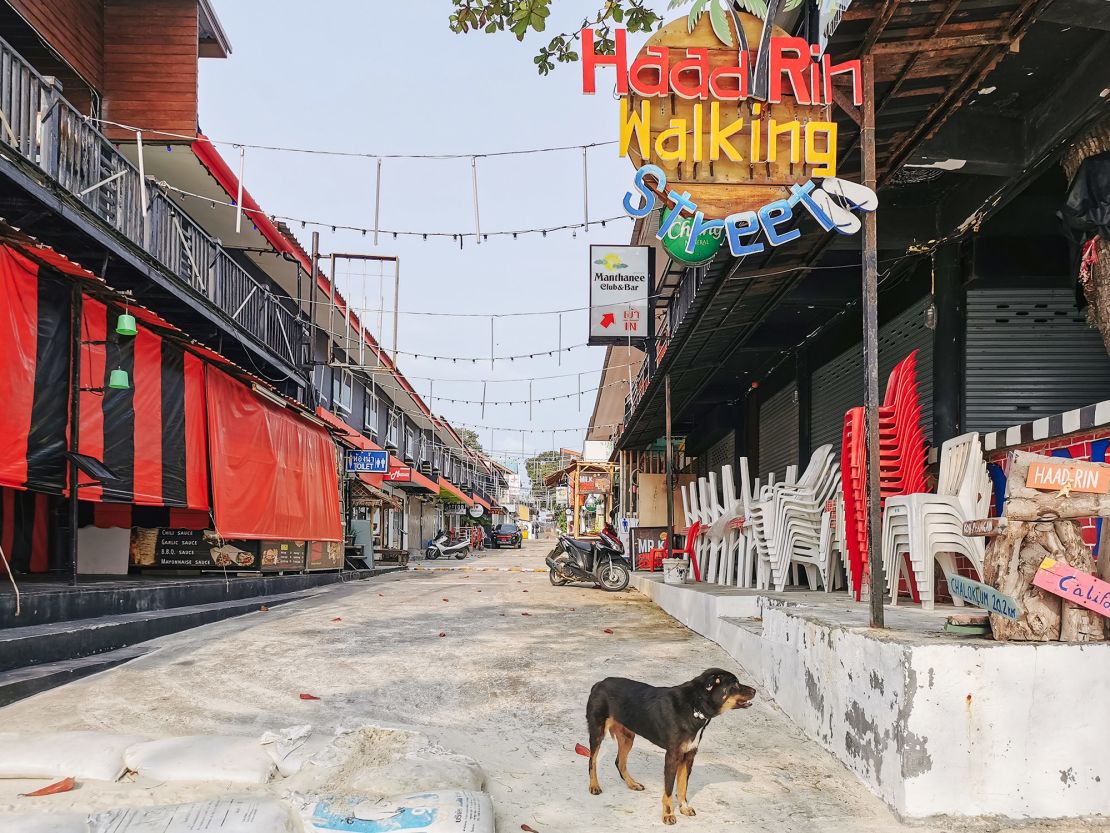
(503,687)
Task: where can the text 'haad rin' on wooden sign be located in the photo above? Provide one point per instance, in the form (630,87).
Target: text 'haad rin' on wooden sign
(982,595)
(1074,585)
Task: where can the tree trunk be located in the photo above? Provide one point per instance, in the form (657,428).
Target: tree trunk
(1093,141)
(1013,558)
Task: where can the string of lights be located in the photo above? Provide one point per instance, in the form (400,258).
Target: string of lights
(165,134)
(457,236)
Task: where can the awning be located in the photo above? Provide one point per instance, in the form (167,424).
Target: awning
(450,493)
(363,494)
(403,476)
(479,500)
(274,473)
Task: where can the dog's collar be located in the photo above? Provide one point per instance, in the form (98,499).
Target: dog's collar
(700,716)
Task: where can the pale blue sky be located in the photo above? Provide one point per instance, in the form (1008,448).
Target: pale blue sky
(389,77)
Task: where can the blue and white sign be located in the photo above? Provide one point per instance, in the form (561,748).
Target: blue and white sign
(982,595)
(368,462)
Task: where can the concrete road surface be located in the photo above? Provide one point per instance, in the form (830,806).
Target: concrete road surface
(506,683)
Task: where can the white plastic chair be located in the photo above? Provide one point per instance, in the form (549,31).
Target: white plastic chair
(930,527)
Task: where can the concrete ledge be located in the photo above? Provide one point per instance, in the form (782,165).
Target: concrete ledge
(933,724)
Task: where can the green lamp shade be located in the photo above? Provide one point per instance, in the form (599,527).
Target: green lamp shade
(678,237)
(118,380)
(125,325)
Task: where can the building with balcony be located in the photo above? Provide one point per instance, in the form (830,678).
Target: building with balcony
(105,174)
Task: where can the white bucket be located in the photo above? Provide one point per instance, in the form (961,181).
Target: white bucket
(675,570)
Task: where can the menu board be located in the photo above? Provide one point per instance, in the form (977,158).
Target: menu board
(325,556)
(190,549)
(282,555)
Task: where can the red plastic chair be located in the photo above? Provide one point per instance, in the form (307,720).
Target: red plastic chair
(654,558)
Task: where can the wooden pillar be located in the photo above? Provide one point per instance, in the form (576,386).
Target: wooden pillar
(871,349)
(949,300)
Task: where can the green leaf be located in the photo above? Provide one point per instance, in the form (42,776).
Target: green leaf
(719,18)
(756,7)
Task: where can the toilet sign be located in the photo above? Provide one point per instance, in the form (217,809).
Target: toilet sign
(620,292)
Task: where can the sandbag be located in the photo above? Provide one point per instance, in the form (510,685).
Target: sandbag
(290,749)
(452,811)
(44,823)
(235,815)
(233,760)
(89,756)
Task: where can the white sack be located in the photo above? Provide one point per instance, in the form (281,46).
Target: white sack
(44,823)
(237,815)
(233,760)
(290,749)
(455,811)
(95,756)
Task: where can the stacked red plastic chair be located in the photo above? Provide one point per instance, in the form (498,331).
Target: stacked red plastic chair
(902,458)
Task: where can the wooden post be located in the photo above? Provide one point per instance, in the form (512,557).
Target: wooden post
(871,349)
(670,466)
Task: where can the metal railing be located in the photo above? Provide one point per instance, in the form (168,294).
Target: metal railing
(47,131)
(677,307)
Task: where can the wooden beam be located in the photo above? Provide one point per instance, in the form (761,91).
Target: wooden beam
(939,44)
(877,27)
(845,104)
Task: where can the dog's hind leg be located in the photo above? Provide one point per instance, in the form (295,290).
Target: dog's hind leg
(598,720)
(625,738)
(670,770)
(684,768)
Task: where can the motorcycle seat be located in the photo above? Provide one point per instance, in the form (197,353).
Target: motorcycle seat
(585,546)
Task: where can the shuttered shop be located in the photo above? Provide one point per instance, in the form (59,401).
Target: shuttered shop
(1030,354)
(778,432)
(838,385)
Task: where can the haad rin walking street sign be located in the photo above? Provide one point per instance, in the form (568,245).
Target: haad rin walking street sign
(734,144)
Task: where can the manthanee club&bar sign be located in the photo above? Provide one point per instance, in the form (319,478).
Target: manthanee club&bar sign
(733,143)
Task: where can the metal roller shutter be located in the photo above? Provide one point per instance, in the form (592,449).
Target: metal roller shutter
(1030,354)
(838,385)
(778,432)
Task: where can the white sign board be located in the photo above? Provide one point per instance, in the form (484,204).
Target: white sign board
(620,288)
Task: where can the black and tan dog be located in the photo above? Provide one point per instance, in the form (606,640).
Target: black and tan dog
(674,719)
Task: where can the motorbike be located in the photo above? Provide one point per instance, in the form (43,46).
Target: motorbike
(440,545)
(601,562)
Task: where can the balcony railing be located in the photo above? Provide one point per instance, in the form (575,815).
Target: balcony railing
(51,134)
(677,308)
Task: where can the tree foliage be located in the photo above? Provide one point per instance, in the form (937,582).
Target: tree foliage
(522,16)
(541,466)
(470,439)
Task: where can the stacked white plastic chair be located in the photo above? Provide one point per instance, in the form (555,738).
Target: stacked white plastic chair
(715,535)
(734,537)
(700,545)
(757,518)
(795,521)
(832,543)
(930,527)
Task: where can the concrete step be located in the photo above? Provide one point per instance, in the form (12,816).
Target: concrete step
(20,683)
(47,601)
(59,641)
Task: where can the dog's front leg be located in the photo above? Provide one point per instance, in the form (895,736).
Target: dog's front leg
(670,770)
(684,768)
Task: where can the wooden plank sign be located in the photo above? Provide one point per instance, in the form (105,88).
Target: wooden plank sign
(984,528)
(982,595)
(1076,586)
(1070,475)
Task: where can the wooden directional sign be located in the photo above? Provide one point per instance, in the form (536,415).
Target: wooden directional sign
(1072,475)
(984,528)
(982,595)
(1075,586)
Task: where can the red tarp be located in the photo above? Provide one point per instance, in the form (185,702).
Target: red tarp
(273,473)
(18,342)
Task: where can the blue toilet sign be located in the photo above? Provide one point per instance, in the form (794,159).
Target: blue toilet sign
(368,462)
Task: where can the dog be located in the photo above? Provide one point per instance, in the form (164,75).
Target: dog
(674,719)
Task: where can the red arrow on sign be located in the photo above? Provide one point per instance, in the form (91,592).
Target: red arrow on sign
(608,320)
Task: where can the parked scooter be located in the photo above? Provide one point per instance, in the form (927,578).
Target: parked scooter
(439,545)
(599,562)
